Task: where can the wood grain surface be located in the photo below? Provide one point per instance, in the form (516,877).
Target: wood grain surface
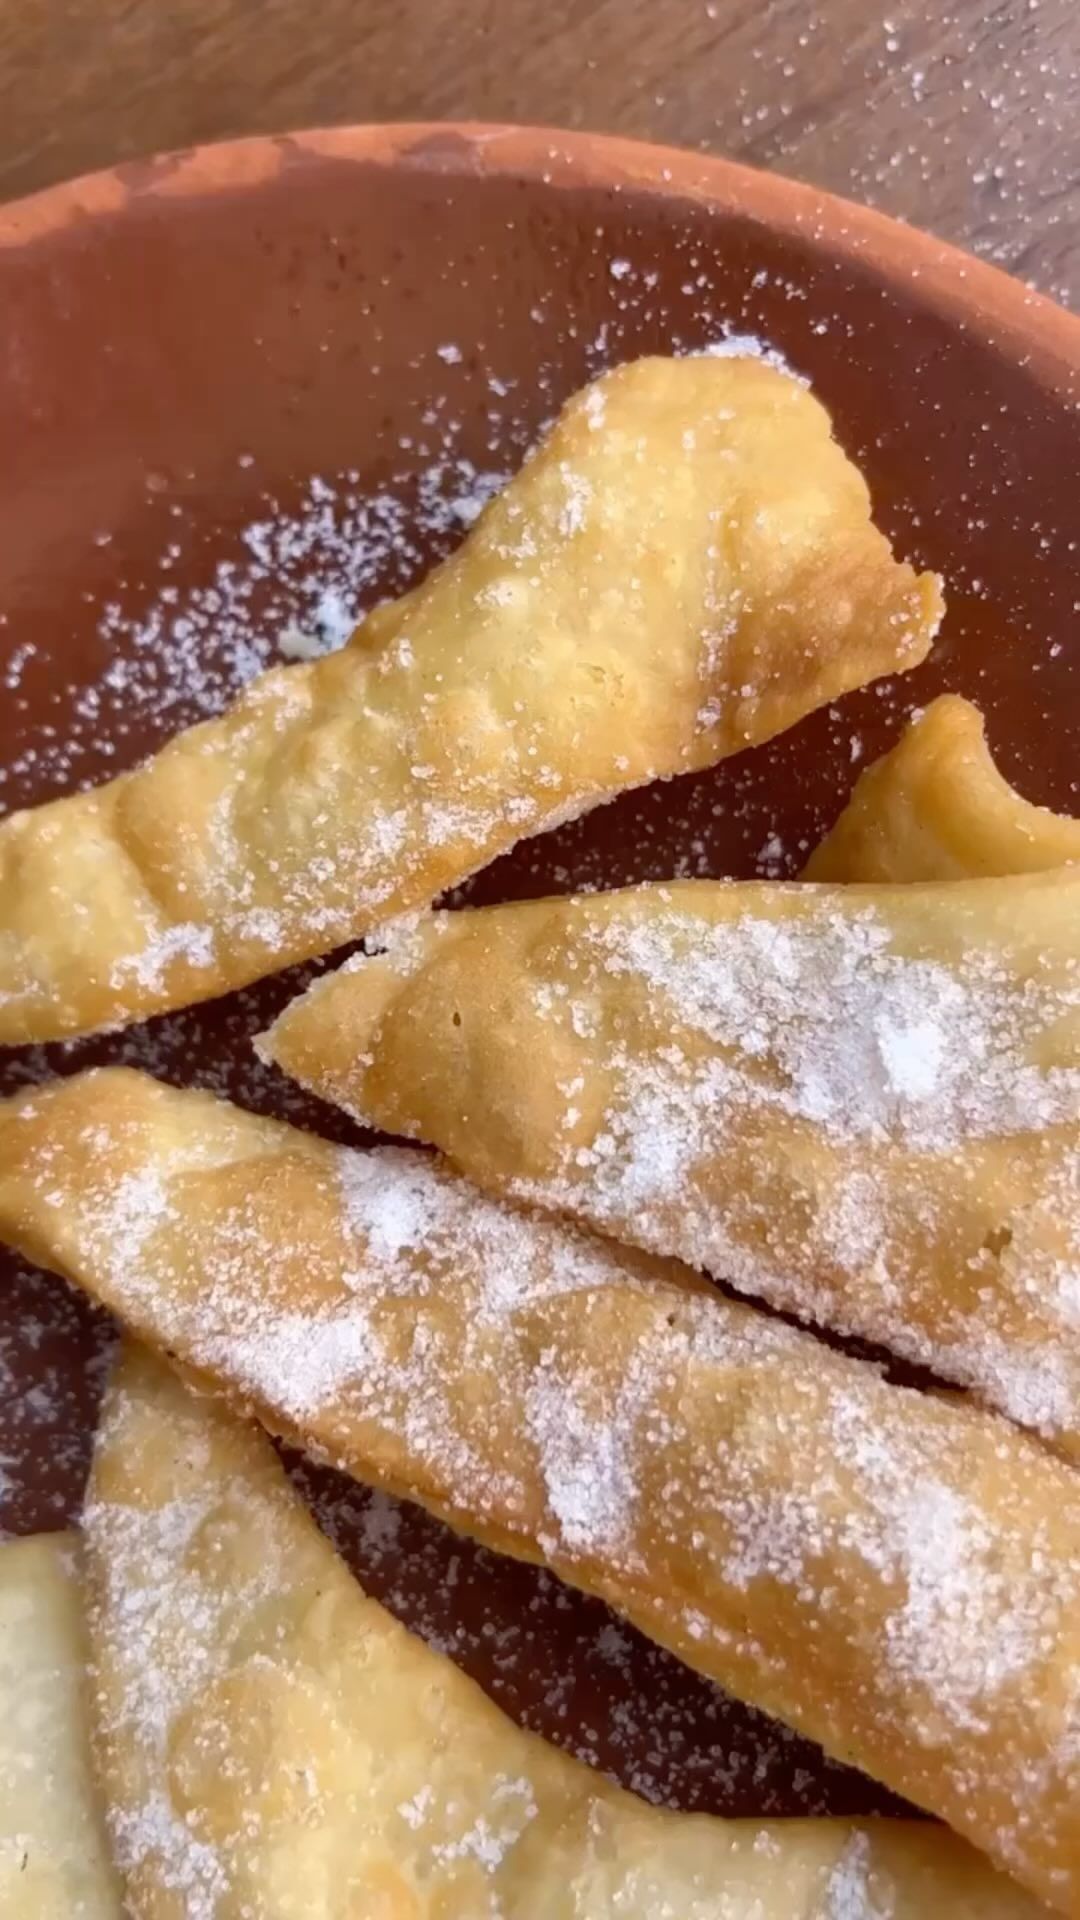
(962,117)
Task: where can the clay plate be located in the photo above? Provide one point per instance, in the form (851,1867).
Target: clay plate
(257,386)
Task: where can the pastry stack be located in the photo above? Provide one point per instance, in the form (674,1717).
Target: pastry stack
(854,1100)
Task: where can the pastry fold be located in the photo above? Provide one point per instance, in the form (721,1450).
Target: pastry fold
(275,1743)
(686,567)
(54,1857)
(895,1575)
(862,1106)
(935,807)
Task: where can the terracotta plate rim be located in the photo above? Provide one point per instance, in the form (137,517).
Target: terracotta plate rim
(969,293)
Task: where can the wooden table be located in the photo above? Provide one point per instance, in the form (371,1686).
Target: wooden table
(960,115)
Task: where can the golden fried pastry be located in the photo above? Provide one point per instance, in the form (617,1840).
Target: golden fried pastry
(686,566)
(896,1575)
(936,808)
(54,1859)
(861,1106)
(274,1743)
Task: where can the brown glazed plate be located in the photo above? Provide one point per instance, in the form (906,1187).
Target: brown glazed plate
(248,390)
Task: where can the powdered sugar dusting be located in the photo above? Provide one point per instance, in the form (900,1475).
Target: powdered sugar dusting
(293,585)
(172,1627)
(463,754)
(188,942)
(312,1358)
(810,1100)
(931,1553)
(849,1894)
(561,1665)
(209,1583)
(869,1044)
(750,346)
(588,1473)
(166,1618)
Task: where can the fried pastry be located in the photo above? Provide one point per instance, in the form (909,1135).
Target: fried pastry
(54,1857)
(895,1575)
(935,807)
(274,1743)
(686,566)
(861,1106)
